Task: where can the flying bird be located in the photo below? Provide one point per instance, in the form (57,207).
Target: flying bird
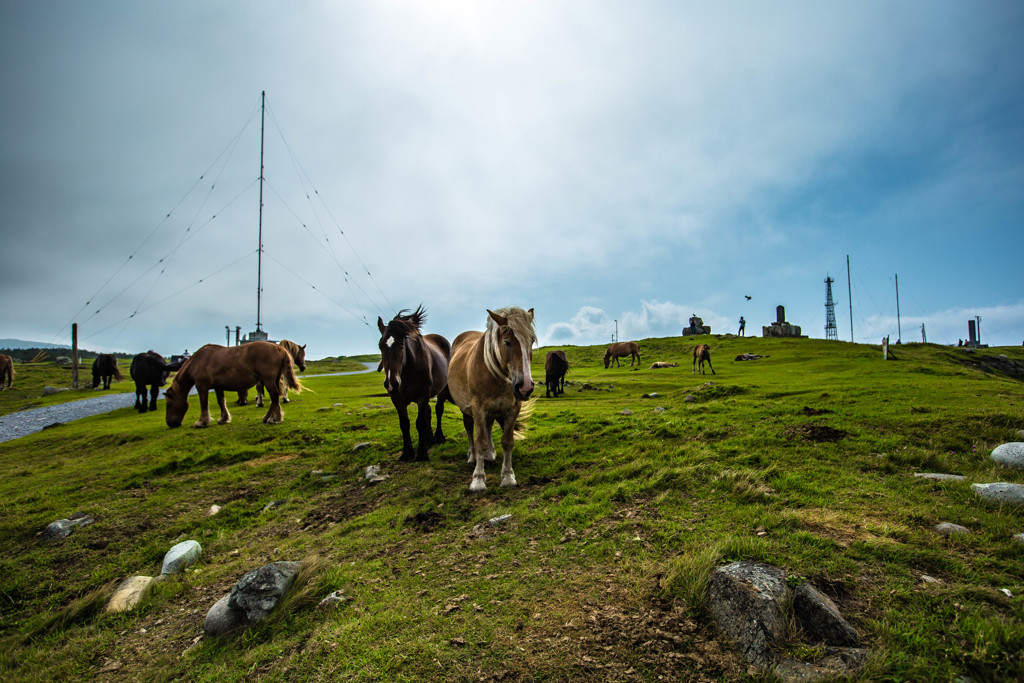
(747,297)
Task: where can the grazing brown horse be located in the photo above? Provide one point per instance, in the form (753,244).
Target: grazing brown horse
(555,367)
(488,379)
(149,370)
(6,372)
(415,369)
(702,353)
(230,368)
(298,354)
(104,368)
(621,350)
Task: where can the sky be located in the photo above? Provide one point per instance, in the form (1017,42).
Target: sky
(617,167)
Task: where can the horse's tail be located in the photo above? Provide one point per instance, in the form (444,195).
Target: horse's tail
(287,377)
(117,374)
(519,431)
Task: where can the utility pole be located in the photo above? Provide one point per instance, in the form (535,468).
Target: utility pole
(616,331)
(850,292)
(74,356)
(899,330)
(924,337)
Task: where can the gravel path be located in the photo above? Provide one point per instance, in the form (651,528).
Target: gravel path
(17,425)
(27,422)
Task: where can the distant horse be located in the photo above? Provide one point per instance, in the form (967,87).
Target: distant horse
(702,353)
(103,369)
(230,368)
(6,372)
(298,354)
(415,370)
(149,370)
(555,367)
(662,364)
(488,379)
(621,350)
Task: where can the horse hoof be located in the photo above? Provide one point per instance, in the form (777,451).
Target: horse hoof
(406,457)
(201,425)
(507,482)
(477,486)
(422,457)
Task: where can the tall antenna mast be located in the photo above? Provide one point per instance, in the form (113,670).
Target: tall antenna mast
(850,292)
(831,332)
(899,330)
(259,255)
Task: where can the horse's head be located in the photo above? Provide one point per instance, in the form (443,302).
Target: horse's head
(300,357)
(392,353)
(177,406)
(511,338)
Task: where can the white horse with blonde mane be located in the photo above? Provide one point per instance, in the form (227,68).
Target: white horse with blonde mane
(489,379)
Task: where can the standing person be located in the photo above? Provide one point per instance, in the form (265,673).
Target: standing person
(743,327)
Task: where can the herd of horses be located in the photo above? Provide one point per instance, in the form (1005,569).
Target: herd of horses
(485,374)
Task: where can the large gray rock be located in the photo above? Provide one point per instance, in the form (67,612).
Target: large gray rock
(746,600)
(1001,493)
(936,476)
(184,554)
(261,590)
(1009,454)
(950,529)
(62,528)
(222,618)
(820,619)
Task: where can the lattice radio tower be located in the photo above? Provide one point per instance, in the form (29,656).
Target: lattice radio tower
(830,311)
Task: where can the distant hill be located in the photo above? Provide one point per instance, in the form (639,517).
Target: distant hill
(22,344)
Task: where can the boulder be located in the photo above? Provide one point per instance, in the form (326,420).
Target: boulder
(1001,493)
(129,593)
(184,554)
(746,601)
(260,591)
(820,619)
(222,618)
(1009,454)
(935,476)
(950,529)
(62,528)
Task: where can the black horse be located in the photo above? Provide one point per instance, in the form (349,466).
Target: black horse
(555,367)
(104,368)
(415,370)
(149,370)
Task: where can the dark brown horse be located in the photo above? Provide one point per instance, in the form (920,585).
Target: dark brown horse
(150,372)
(298,354)
(231,368)
(415,370)
(104,368)
(702,354)
(621,350)
(6,372)
(555,367)
(488,379)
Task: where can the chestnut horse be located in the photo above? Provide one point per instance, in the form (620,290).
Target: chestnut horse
(230,368)
(6,372)
(298,354)
(104,368)
(488,379)
(702,353)
(621,350)
(415,370)
(555,367)
(149,370)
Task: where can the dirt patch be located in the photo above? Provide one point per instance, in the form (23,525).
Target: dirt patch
(815,433)
(810,412)
(425,521)
(339,507)
(271,459)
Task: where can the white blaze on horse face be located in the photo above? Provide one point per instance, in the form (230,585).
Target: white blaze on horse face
(390,342)
(526,355)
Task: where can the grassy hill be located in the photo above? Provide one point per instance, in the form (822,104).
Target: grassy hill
(803,458)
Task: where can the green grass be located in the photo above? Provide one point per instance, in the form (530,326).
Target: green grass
(803,459)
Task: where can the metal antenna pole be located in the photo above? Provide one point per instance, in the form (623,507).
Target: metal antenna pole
(899,330)
(850,292)
(259,255)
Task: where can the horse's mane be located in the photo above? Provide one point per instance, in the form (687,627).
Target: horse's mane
(406,323)
(521,323)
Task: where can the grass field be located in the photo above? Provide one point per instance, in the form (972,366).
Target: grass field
(803,459)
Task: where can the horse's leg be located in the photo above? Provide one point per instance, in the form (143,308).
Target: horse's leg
(243,398)
(712,367)
(489,454)
(508,440)
(140,398)
(155,392)
(274,416)
(423,429)
(439,413)
(259,394)
(482,445)
(225,416)
(467,423)
(408,454)
(204,409)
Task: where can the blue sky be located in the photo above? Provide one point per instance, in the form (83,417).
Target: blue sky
(604,163)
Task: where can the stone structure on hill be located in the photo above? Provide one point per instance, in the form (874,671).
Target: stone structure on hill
(780,328)
(696,327)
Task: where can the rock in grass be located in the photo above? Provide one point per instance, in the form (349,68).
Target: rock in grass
(1009,454)
(184,554)
(935,476)
(1000,493)
(255,596)
(746,600)
(820,618)
(950,529)
(62,528)
(222,618)
(129,593)
(1019,538)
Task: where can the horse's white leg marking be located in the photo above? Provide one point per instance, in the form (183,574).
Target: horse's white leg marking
(508,477)
(479,482)
(225,416)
